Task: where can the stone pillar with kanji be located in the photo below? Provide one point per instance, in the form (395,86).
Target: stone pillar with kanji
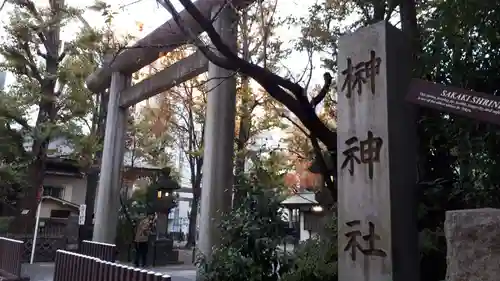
(376,143)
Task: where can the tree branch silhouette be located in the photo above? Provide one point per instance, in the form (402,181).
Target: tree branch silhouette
(291,95)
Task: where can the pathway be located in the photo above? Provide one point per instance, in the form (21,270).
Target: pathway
(182,272)
(45,271)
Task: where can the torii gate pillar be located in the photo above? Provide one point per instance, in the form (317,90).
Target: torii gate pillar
(108,191)
(216,191)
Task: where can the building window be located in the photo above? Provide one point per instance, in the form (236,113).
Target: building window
(53,191)
(60,214)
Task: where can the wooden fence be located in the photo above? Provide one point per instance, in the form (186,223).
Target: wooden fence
(71,266)
(54,235)
(103,251)
(10,258)
(46,247)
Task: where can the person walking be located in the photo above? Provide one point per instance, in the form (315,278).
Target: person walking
(143,231)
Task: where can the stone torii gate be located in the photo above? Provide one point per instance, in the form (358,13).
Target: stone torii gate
(219,133)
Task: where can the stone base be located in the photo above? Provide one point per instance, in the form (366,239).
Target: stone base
(473,245)
(162,253)
(170,258)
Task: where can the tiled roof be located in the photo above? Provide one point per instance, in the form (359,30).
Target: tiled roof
(301,198)
(61,201)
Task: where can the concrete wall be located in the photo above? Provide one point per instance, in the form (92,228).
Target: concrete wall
(305,229)
(74,188)
(304,234)
(48,206)
(473,239)
(182,218)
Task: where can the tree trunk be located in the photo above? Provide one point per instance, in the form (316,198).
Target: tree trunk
(47,114)
(240,155)
(409,24)
(92,182)
(195,168)
(193,216)
(239,171)
(93,171)
(36,170)
(245,117)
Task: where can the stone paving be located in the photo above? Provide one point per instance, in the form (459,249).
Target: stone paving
(45,271)
(181,272)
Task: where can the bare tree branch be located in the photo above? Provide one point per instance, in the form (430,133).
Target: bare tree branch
(324,90)
(17,119)
(277,86)
(303,130)
(390,9)
(307,69)
(3,5)
(327,176)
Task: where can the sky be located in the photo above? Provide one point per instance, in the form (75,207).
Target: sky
(152,15)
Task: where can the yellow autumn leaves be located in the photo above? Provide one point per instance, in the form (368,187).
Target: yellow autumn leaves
(140,26)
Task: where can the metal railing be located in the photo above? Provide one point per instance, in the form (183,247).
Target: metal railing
(10,256)
(71,266)
(99,250)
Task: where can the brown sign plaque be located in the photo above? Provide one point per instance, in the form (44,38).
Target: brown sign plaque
(475,105)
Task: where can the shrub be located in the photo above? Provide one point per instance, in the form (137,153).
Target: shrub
(316,259)
(4,224)
(249,245)
(251,235)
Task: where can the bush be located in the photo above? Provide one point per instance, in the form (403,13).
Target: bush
(316,259)
(249,247)
(251,235)
(4,224)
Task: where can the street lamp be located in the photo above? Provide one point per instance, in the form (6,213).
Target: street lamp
(317,209)
(160,194)
(37,223)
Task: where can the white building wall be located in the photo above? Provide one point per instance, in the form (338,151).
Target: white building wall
(304,234)
(184,209)
(3,77)
(74,189)
(179,219)
(48,206)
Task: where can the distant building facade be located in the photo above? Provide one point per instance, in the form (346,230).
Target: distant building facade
(65,184)
(178,219)
(3,78)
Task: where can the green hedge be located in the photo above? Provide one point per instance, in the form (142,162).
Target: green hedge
(4,224)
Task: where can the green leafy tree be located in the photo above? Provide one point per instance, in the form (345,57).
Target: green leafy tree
(268,166)
(459,47)
(13,161)
(455,43)
(256,112)
(49,76)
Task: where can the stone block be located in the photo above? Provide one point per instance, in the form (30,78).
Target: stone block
(377,217)
(161,253)
(473,245)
